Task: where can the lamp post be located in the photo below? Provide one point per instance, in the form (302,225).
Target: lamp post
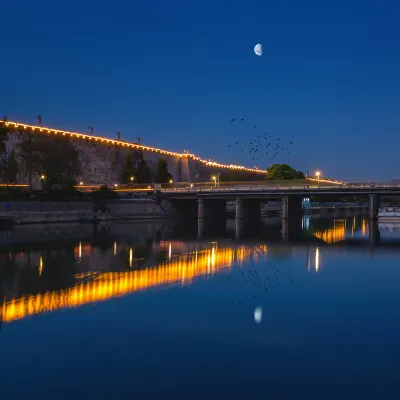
(214,178)
(131,179)
(42,179)
(318,175)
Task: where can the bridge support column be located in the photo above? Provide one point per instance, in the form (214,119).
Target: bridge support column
(374,202)
(292,213)
(200,227)
(211,216)
(200,209)
(248,208)
(240,210)
(374,234)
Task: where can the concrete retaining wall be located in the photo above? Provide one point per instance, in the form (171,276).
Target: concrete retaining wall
(52,212)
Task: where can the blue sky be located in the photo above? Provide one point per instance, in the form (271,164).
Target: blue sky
(176,72)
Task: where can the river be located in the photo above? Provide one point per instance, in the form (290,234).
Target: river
(150,310)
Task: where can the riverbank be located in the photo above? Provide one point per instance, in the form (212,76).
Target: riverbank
(33,212)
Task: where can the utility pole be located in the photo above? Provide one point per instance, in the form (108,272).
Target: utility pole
(39,119)
(91,130)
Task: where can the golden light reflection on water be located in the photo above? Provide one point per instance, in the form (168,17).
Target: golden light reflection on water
(107,285)
(332,235)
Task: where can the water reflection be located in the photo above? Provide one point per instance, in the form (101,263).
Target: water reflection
(98,286)
(35,281)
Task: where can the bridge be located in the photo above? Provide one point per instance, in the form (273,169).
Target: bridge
(209,203)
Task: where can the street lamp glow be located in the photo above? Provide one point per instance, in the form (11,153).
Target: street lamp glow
(42,177)
(131,178)
(214,178)
(170,181)
(115,185)
(318,173)
(81,183)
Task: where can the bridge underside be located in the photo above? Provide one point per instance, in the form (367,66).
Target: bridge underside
(211,210)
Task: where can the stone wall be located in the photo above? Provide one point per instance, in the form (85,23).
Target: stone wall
(102,160)
(100,163)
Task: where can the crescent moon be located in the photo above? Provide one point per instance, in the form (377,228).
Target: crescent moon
(258,49)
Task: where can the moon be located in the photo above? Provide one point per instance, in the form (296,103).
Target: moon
(258,49)
(258,315)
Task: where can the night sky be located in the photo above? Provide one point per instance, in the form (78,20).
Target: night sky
(176,72)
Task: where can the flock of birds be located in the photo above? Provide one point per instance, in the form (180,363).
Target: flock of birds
(263,145)
(262,280)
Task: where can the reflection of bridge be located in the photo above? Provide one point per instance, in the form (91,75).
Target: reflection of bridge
(103,286)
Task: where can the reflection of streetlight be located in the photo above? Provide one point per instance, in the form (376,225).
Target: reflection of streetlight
(318,175)
(316,259)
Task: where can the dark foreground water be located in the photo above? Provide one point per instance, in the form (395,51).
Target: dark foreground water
(149,311)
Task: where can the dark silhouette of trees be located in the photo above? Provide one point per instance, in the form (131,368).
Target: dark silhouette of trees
(10,167)
(129,169)
(144,173)
(283,171)
(53,157)
(163,176)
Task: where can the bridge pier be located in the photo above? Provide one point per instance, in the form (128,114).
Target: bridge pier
(211,209)
(374,234)
(292,213)
(211,215)
(374,203)
(248,208)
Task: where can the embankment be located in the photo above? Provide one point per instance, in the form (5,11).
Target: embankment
(36,212)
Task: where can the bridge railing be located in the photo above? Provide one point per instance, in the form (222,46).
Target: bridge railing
(269,188)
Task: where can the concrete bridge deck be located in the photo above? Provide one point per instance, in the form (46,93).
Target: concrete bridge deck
(258,191)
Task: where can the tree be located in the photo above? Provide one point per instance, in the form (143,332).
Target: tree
(163,176)
(3,136)
(51,156)
(144,173)
(300,175)
(283,171)
(10,167)
(129,169)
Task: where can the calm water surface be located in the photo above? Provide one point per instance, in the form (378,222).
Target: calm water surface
(137,311)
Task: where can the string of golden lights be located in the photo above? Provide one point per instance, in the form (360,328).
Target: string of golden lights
(122,143)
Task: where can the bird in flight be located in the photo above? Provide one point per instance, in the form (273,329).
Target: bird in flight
(232,119)
(242,119)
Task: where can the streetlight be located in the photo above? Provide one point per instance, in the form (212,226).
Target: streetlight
(81,183)
(215,180)
(318,175)
(42,178)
